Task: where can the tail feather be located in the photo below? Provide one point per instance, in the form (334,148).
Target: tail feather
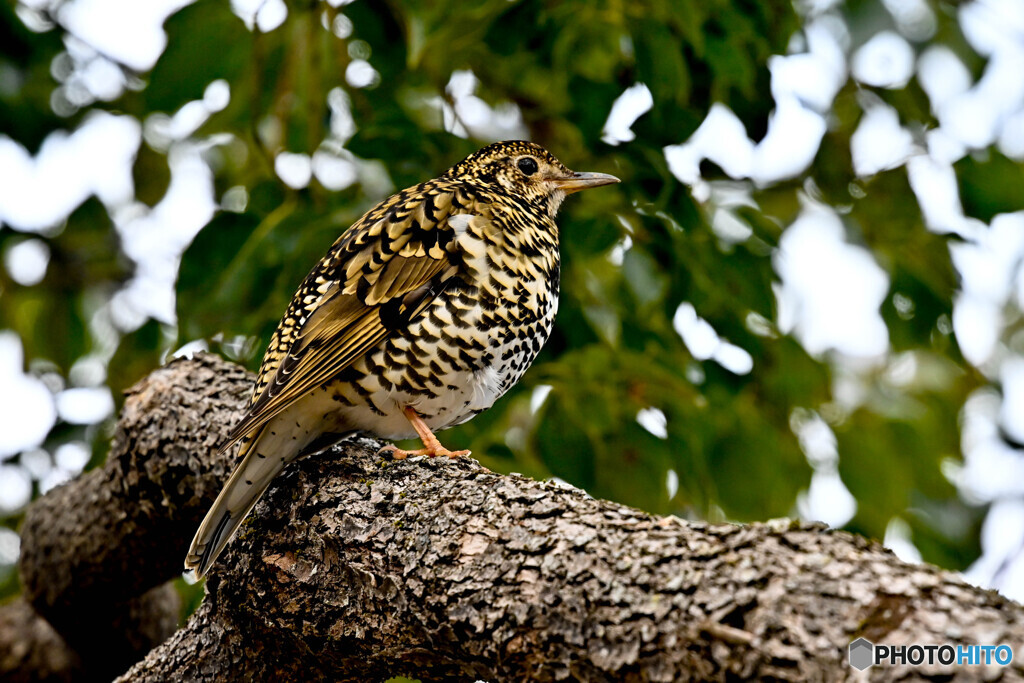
(245,486)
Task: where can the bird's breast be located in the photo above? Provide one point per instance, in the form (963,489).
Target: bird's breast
(467,348)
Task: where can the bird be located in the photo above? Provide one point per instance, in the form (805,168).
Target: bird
(421,315)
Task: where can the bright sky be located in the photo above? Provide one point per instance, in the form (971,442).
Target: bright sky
(829,290)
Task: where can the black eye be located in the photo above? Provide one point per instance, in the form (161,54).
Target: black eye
(528,165)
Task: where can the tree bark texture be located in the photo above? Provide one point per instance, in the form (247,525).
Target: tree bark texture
(30,650)
(356,567)
(95,552)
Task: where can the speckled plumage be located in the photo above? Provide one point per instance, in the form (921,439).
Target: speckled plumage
(430,307)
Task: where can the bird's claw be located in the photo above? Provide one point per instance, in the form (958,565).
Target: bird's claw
(400,454)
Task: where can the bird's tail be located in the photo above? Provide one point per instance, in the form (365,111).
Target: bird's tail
(244,487)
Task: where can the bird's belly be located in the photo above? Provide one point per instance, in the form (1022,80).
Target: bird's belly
(446,372)
(374,403)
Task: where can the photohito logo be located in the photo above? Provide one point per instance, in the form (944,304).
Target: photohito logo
(864,653)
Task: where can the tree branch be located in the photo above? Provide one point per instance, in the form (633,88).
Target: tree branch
(356,567)
(30,650)
(96,551)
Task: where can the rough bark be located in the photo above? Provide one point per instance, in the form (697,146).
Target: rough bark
(30,650)
(358,568)
(96,551)
(355,567)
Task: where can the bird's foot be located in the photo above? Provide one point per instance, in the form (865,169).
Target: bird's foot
(431,446)
(431,452)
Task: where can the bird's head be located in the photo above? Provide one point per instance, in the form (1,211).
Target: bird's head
(526,170)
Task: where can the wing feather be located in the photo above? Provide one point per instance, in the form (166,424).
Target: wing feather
(338,314)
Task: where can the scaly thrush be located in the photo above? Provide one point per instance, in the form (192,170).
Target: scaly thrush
(423,313)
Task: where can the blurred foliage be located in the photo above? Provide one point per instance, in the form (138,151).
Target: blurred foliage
(614,352)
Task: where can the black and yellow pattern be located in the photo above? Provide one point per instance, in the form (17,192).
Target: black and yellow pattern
(421,315)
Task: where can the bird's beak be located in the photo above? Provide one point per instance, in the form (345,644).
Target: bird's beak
(582,181)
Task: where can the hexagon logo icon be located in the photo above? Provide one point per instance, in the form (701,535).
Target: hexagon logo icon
(862,654)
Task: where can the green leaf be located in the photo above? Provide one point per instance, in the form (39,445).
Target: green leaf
(206,28)
(659,62)
(990,186)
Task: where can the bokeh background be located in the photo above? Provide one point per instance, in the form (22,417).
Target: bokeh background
(803,300)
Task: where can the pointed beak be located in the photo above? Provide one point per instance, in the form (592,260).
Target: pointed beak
(583,181)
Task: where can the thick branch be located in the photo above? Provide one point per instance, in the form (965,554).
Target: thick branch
(357,567)
(30,650)
(93,549)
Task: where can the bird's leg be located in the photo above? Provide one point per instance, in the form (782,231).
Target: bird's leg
(432,447)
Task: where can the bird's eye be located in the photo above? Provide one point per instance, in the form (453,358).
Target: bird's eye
(528,165)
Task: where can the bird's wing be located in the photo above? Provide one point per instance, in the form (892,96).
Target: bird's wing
(377,278)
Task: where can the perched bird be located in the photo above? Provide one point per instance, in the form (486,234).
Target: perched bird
(422,314)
